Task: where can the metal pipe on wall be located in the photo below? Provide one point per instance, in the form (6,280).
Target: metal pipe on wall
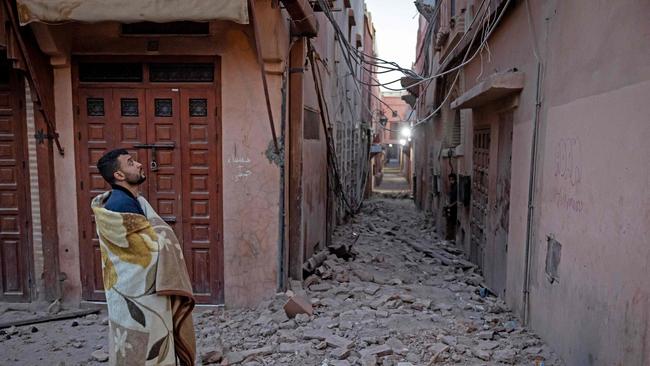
(283,212)
(531,194)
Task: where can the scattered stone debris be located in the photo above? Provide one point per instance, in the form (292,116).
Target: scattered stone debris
(405,298)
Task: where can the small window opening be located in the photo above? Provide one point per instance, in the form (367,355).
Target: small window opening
(166,29)
(110,72)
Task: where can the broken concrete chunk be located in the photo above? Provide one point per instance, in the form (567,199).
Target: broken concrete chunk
(298,305)
(100,356)
(338,363)
(421,305)
(371,289)
(293,347)
(318,334)
(340,353)
(320,287)
(377,351)
(486,334)
(508,356)
(336,341)
(368,360)
(397,346)
(482,354)
(488,345)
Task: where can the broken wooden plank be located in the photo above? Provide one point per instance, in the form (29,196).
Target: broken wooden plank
(48,318)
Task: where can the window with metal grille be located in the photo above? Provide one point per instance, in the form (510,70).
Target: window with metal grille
(181,72)
(110,72)
(311,128)
(166,29)
(453,130)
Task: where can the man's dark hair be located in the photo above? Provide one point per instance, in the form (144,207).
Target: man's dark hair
(452,175)
(108,164)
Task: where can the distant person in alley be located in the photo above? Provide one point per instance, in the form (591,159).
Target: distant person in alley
(451,210)
(147,286)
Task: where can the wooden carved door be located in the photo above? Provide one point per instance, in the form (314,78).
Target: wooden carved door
(174,133)
(479,204)
(501,214)
(15,211)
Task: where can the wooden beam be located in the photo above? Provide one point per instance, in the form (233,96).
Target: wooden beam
(296,107)
(49,318)
(303,18)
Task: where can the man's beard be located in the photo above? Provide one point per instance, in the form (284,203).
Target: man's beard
(136,180)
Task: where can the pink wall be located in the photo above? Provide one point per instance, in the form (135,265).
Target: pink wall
(251,190)
(593,186)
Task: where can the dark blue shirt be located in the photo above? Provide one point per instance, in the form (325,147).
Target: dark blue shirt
(122,200)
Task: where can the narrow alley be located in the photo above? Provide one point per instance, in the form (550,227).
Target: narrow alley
(407,298)
(324,182)
(393,181)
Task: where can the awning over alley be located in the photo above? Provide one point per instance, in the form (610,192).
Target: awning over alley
(493,87)
(127,11)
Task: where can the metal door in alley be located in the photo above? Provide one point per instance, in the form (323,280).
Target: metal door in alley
(170,124)
(15,210)
(479,205)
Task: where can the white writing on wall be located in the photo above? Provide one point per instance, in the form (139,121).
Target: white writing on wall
(242,165)
(568,174)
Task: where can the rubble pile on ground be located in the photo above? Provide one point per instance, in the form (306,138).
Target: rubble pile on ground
(387,292)
(407,299)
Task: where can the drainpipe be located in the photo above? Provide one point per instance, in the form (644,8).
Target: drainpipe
(531,194)
(283,212)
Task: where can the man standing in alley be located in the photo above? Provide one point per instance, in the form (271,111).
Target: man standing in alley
(451,210)
(147,286)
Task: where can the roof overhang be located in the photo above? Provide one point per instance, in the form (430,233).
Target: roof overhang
(409,99)
(304,20)
(129,11)
(495,87)
(411,84)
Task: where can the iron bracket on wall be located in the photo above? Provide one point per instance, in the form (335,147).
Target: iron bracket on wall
(40,136)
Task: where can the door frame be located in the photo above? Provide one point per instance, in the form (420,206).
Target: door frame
(145,84)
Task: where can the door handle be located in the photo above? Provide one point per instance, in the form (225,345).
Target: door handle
(153,147)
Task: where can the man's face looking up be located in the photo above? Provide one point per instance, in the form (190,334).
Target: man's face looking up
(130,171)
